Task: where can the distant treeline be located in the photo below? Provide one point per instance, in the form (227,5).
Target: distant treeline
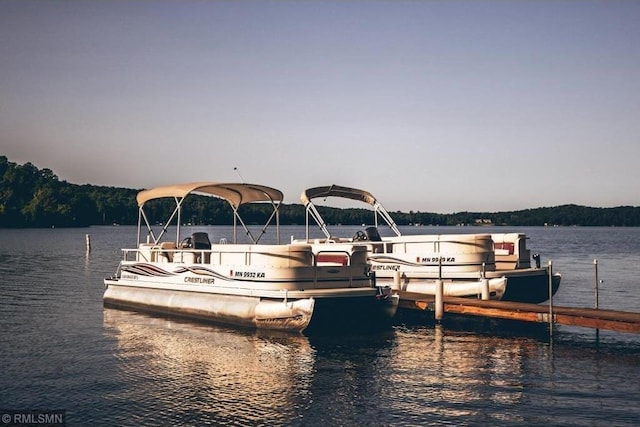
(32,197)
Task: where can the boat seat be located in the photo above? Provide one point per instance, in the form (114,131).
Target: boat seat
(166,249)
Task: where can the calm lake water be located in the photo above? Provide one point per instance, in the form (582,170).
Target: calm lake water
(60,349)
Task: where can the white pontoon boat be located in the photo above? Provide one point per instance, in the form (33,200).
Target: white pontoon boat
(269,286)
(462,261)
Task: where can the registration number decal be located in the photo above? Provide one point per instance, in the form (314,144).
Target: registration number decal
(249,274)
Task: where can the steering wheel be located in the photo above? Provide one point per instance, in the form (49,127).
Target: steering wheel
(186,243)
(359,236)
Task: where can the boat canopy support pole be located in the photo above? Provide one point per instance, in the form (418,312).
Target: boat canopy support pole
(143,215)
(236,218)
(178,211)
(387,218)
(146,222)
(378,209)
(274,213)
(140,213)
(311,210)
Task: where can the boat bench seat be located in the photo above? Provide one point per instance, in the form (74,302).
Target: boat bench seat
(166,251)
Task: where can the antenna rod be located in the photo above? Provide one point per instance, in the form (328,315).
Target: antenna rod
(238,172)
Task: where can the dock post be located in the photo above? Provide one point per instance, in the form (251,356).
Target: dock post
(550,299)
(485,285)
(485,289)
(439,292)
(439,299)
(396,280)
(595,263)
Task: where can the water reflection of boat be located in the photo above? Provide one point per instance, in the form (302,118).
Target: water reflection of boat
(415,262)
(462,376)
(209,373)
(278,287)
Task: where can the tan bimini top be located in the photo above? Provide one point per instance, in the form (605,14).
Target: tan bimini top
(234,193)
(337,191)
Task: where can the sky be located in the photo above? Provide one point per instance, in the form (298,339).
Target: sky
(432,106)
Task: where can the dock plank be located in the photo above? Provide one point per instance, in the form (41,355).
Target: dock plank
(620,321)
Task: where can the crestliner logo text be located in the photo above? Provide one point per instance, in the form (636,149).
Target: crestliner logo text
(385,267)
(202,280)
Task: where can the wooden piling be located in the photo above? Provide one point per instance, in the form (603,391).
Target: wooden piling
(550,271)
(595,264)
(439,299)
(485,289)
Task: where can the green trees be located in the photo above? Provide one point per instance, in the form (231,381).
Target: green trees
(37,198)
(32,197)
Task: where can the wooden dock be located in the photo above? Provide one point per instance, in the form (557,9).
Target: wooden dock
(619,321)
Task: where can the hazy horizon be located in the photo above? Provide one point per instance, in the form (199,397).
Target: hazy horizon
(432,106)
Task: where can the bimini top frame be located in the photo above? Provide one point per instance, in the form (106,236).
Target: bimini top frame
(346,193)
(236,194)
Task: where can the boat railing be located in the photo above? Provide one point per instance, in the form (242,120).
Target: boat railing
(296,255)
(352,264)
